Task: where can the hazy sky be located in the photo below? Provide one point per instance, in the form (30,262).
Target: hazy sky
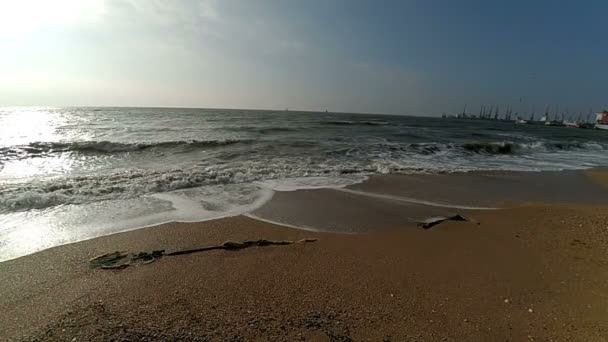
(403,57)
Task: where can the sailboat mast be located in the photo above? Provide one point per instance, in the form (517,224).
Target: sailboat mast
(533,113)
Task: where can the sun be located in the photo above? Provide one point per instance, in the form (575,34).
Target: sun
(18,17)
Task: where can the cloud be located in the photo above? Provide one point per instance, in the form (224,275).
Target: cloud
(162,20)
(21,17)
(208,9)
(197,53)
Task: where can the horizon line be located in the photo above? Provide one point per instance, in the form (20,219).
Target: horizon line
(218,108)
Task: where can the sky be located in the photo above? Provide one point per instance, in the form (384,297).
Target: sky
(421,57)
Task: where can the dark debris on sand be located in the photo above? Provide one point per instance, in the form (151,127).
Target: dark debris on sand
(120,260)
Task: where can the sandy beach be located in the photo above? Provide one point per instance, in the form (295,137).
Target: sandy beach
(536,270)
(332,171)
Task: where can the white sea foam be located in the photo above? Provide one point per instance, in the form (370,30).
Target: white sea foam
(308,183)
(27,232)
(415,200)
(278,223)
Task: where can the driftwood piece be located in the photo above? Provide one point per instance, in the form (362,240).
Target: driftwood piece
(107,259)
(433,221)
(121,260)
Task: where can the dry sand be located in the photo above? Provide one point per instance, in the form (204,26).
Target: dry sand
(531,272)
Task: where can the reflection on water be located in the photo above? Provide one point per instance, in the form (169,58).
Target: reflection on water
(35,167)
(21,126)
(35,232)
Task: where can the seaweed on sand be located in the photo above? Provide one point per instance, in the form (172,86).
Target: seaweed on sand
(120,260)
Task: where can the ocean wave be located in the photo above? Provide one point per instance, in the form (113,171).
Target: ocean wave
(271,130)
(507,147)
(499,147)
(395,150)
(491,148)
(362,123)
(41,194)
(311,160)
(37,149)
(78,190)
(40,149)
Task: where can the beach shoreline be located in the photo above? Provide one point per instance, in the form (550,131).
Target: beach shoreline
(351,206)
(530,271)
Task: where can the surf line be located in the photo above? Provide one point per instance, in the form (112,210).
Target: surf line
(413,200)
(279,223)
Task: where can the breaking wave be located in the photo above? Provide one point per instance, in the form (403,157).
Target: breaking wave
(38,149)
(41,148)
(79,190)
(322,160)
(499,147)
(506,147)
(491,148)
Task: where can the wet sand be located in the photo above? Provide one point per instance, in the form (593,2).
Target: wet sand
(394,201)
(533,271)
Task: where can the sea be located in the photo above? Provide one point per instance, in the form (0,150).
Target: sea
(70,174)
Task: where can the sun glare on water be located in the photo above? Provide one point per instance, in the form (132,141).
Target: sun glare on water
(20,127)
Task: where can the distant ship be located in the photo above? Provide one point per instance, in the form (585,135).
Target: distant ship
(521,121)
(601,120)
(536,122)
(554,123)
(554,119)
(578,123)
